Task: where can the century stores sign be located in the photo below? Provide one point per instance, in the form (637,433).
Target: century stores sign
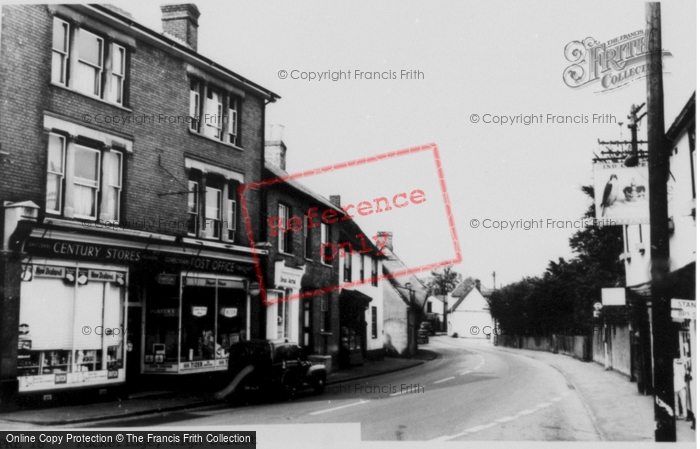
(131,256)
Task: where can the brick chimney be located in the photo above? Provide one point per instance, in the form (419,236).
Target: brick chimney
(478,284)
(389,239)
(181,21)
(275,149)
(335,200)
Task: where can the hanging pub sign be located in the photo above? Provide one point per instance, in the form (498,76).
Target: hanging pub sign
(621,193)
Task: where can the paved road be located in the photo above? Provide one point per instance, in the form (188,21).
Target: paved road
(472,391)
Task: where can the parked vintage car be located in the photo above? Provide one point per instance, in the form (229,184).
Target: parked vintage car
(428,326)
(423,336)
(271,368)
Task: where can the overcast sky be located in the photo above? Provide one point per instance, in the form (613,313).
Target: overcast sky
(495,57)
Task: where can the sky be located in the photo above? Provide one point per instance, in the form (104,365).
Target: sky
(496,58)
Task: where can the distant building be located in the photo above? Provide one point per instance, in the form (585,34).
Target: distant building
(469,315)
(404,298)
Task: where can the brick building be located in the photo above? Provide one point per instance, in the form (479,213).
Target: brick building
(122,150)
(314,259)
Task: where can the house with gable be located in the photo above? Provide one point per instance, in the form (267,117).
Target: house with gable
(469,315)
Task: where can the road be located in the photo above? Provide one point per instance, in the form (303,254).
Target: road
(471,391)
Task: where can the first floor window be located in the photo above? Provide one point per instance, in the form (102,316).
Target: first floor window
(212,222)
(347,266)
(87,181)
(375,271)
(326,246)
(113,162)
(284,239)
(193,208)
(231,220)
(56,172)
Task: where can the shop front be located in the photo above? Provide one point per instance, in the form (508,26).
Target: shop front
(71,331)
(283,312)
(191,320)
(106,311)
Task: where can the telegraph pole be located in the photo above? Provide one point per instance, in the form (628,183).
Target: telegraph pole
(665,341)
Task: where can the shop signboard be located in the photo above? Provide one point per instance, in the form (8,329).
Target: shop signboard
(46,247)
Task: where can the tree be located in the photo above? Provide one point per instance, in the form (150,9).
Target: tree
(441,282)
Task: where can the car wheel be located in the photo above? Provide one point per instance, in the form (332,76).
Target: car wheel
(319,385)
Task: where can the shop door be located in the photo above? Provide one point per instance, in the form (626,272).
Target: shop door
(133,344)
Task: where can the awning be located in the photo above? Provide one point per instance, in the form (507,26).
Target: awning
(355,296)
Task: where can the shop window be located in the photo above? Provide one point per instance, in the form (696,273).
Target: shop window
(57,305)
(374,322)
(90,166)
(375,271)
(90,60)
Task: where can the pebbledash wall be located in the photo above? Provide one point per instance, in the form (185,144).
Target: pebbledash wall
(103,137)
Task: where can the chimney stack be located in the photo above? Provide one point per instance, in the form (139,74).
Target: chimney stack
(335,200)
(181,21)
(275,149)
(478,284)
(389,239)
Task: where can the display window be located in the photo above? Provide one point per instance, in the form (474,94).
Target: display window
(71,329)
(191,325)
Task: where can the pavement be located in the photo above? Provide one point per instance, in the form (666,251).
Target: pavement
(150,402)
(619,412)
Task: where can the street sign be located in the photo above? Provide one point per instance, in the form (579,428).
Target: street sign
(613,296)
(683,308)
(598,306)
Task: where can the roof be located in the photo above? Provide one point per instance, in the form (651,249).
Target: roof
(393,265)
(349,228)
(282,177)
(463,288)
(685,117)
(460,300)
(131,26)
